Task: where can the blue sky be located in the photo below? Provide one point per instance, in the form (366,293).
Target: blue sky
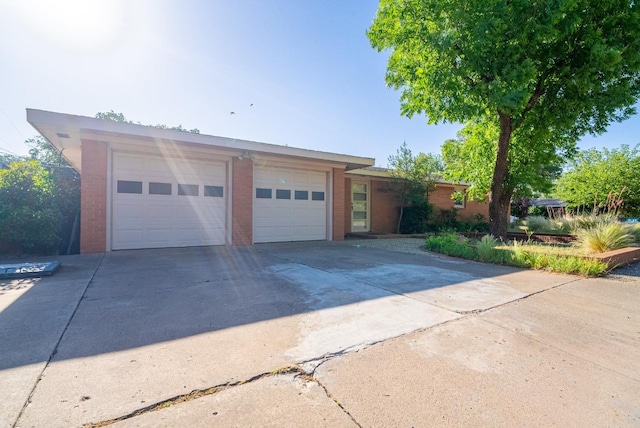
(306,66)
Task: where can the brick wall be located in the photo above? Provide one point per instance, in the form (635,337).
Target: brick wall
(441,199)
(338,204)
(347,205)
(384,208)
(93,197)
(242,202)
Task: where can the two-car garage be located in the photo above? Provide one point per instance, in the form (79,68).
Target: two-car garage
(166,202)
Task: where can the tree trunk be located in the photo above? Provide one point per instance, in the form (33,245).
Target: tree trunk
(400,219)
(500,198)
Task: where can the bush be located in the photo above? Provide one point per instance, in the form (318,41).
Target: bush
(515,255)
(539,224)
(415,218)
(451,244)
(29,217)
(634,231)
(486,247)
(605,237)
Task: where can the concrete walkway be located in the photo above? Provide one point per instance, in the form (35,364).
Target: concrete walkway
(316,334)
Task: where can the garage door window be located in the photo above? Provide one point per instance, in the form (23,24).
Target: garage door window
(283,194)
(317,196)
(188,189)
(125,186)
(214,191)
(263,193)
(159,188)
(302,195)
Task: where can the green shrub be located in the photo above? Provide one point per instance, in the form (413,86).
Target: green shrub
(415,218)
(605,237)
(515,255)
(486,248)
(634,231)
(537,224)
(29,214)
(452,245)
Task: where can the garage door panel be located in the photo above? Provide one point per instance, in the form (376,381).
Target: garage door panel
(288,218)
(160,217)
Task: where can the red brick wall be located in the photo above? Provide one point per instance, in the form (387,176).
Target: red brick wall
(242,202)
(93,197)
(338,204)
(384,208)
(347,205)
(441,199)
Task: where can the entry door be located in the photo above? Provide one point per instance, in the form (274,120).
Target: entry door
(359,207)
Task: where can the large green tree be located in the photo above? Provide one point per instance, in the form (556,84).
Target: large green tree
(538,68)
(532,167)
(595,174)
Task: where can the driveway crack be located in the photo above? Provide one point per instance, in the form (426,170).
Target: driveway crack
(55,348)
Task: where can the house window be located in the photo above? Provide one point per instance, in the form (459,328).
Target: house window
(214,191)
(188,189)
(125,186)
(302,195)
(263,193)
(283,194)
(458,199)
(159,188)
(317,196)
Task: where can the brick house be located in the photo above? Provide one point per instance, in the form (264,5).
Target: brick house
(144,187)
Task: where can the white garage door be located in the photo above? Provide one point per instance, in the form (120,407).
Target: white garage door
(289,205)
(160,202)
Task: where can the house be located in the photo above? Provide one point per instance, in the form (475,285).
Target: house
(145,187)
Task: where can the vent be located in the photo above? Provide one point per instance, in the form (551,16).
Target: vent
(61,135)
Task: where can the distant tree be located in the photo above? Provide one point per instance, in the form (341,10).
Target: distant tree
(119,117)
(544,71)
(595,174)
(415,179)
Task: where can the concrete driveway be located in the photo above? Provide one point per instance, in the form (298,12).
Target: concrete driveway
(315,334)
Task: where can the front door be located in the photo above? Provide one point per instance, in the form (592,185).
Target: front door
(359,207)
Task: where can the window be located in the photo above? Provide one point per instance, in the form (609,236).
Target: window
(458,199)
(130,187)
(302,195)
(159,188)
(317,196)
(263,193)
(283,194)
(214,191)
(188,189)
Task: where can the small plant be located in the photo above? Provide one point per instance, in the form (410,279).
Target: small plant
(605,237)
(634,231)
(486,247)
(536,223)
(451,245)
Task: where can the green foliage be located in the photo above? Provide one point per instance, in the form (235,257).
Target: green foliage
(415,179)
(634,231)
(119,117)
(415,218)
(515,255)
(451,244)
(594,174)
(531,76)
(28,214)
(605,237)
(486,247)
(537,224)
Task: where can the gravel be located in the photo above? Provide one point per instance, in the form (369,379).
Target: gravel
(630,273)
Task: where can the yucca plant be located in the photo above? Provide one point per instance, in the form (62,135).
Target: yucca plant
(605,237)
